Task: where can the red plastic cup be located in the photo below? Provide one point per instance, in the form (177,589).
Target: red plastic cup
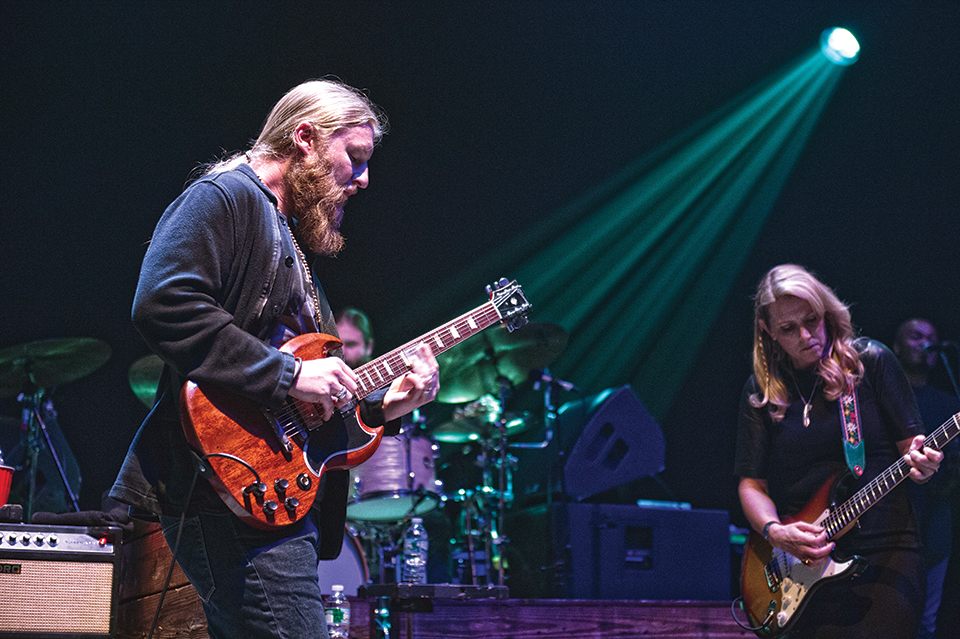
(6,477)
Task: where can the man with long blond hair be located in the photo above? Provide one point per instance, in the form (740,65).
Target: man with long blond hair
(790,444)
(226,281)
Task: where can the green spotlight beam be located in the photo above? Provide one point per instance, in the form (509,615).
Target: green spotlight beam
(637,269)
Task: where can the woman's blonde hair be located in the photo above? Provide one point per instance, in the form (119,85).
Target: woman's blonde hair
(840,365)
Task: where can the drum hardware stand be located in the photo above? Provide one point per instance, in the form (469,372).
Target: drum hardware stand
(31,403)
(493,523)
(549,422)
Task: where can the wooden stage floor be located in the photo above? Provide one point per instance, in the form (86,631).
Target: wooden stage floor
(146,560)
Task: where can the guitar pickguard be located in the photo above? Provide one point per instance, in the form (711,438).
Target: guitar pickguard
(795,580)
(341,443)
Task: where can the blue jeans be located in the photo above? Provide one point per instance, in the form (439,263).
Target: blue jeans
(252,583)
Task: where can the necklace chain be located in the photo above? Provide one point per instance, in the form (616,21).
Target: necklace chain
(307,272)
(807,403)
(309,275)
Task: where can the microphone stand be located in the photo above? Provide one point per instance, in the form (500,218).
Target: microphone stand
(946,365)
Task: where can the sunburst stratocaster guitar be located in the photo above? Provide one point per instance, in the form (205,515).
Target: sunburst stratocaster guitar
(266,464)
(776,586)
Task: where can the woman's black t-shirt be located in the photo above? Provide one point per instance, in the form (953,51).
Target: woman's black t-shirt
(797,460)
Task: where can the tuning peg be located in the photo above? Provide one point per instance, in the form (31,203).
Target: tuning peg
(496,286)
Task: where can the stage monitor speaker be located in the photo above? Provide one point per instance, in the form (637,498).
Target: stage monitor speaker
(58,581)
(621,442)
(629,552)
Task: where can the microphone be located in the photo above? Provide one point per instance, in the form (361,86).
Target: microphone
(543,375)
(935,347)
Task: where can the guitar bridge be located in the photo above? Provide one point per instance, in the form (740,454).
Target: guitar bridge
(773,575)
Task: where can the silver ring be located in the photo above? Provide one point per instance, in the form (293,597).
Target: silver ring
(341,393)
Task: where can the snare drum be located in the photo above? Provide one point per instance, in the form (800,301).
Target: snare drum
(349,569)
(392,485)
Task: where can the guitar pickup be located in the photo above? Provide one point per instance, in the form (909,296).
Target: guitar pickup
(277,429)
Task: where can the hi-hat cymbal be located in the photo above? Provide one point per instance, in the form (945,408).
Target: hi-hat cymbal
(49,363)
(477,366)
(144,377)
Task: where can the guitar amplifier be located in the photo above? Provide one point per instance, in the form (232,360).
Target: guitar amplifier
(58,581)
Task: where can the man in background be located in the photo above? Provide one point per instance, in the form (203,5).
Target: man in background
(915,347)
(356,333)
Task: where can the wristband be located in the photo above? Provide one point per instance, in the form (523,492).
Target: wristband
(766,528)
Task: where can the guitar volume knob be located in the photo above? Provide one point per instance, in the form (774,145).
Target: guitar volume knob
(291,504)
(269,507)
(281,485)
(257,488)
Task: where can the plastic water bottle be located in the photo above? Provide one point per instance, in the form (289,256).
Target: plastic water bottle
(337,611)
(415,547)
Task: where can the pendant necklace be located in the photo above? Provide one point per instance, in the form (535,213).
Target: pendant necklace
(807,403)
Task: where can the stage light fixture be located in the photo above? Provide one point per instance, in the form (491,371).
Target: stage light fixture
(637,267)
(840,46)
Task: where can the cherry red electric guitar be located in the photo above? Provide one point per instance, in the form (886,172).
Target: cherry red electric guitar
(776,586)
(266,464)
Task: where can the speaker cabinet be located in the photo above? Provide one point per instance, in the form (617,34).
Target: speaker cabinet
(613,551)
(58,581)
(629,552)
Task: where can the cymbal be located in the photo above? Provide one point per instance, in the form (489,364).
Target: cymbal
(469,429)
(49,363)
(476,366)
(144,377)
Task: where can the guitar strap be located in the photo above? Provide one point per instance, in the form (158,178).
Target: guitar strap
(852,437)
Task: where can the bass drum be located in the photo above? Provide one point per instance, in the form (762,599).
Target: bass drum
(388,486)
(349,570)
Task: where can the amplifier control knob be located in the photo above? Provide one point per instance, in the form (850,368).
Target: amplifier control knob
(39,540)
(25,540)
(53,541)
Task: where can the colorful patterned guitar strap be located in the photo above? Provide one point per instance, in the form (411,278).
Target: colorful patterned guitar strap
(852,438)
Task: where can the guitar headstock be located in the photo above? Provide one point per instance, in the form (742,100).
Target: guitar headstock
(510,303)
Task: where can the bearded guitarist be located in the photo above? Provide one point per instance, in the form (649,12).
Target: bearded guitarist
(225,283)
(823,405)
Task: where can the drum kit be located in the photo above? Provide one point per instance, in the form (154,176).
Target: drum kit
(400,481)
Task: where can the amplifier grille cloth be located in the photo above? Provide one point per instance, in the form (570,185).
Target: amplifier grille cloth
(56,596)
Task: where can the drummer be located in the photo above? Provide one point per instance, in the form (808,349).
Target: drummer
(356,333)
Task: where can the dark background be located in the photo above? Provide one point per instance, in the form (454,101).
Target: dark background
(501,112)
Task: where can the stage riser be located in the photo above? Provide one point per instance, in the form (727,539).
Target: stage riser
(146,559)
(182,618)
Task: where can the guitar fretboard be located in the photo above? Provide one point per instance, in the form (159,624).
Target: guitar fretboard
(382,371)
(851,510)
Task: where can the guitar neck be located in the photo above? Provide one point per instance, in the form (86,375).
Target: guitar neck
(853,508)
(383,370)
